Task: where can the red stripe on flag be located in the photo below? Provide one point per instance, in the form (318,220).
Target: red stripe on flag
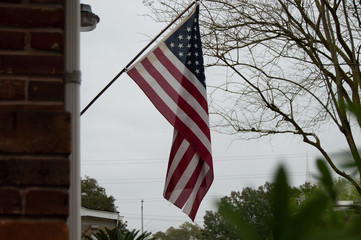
(185,82)
(206,184)
(183,197)
(176,96)
(175,145)
(170,116)
(181,167)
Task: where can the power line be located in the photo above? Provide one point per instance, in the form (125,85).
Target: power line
(156,200)
(219,159)
(158,217)
(223,177)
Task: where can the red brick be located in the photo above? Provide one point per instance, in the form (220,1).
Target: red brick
(12,40)
(10,201)
(33,230)
(47,1)
(35,172)
(28,64)
(32,107)
(53,41)
(31,17)
(46,91)
(12,89)
(11,1)
(48,202)
(35,132)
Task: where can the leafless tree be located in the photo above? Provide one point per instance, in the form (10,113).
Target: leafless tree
(293,65)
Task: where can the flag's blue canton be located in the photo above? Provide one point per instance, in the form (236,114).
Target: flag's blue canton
(185,43)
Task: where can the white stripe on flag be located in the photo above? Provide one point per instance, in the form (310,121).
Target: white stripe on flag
(177,157)
(182,181)
(187,120)
(180,89)
(188,206)
(183,69)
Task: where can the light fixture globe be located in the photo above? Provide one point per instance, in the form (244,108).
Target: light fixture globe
(88,20)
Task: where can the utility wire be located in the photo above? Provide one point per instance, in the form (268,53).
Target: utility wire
(218,178)
(158,160)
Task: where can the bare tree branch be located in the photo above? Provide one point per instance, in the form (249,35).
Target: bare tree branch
(291,66)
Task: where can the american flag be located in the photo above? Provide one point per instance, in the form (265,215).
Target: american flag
(172,76)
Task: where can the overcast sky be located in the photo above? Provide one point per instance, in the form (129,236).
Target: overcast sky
(125,142)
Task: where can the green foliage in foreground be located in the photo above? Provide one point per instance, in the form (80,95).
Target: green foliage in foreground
(315,218)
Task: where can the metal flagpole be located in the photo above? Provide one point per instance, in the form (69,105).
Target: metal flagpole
(135,58)
(141,210)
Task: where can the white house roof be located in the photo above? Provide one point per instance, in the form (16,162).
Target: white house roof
(84,212)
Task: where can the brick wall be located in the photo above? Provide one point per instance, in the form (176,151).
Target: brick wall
(34,127)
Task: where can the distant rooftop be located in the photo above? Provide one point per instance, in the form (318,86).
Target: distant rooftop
(84,212)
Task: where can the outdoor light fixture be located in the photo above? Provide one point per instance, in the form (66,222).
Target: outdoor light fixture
(88,20)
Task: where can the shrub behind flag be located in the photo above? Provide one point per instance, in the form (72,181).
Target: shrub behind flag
(172,76)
